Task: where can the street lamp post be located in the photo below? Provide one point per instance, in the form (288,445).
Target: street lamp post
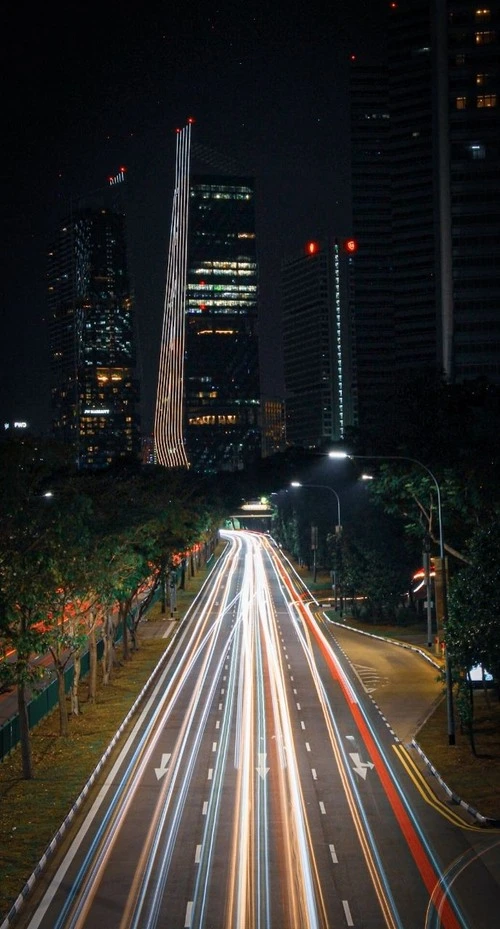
(337,528)
(449,682)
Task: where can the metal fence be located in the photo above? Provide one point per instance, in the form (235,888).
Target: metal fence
(42,704)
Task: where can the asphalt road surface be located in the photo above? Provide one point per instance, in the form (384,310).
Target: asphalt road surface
(262,788)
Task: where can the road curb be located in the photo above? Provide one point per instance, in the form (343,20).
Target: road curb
(483,820)
(381,638)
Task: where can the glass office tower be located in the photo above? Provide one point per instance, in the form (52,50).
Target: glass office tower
(425,141)
(319,364)
(207,412)
(94,390)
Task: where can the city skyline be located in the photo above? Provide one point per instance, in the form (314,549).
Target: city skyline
(85,101)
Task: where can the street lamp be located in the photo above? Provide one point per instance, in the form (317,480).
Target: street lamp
(449,682)
(322,487)
(338,528)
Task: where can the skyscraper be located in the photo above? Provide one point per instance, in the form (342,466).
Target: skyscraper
(207,410)
(373,305)
(425,142)
(319,364)
(94,389)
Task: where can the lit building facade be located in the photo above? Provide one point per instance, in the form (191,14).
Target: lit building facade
(207,410)
(95,393)
(319,363)
(426,152)
(273,426)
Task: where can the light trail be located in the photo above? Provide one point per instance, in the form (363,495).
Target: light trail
(428,866)
(231,718)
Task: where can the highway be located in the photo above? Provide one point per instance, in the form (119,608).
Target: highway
(260,788)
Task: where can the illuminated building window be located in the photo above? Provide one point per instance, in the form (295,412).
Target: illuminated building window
(481,79)
(486,100)
(485,38)
(482,15)
(477,151)
(461,103)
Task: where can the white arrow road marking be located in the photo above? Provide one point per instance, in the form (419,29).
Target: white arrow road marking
(261,769)
(163,766)
(360,767)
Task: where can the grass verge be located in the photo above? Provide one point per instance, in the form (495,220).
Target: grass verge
(474,778)
(32,811)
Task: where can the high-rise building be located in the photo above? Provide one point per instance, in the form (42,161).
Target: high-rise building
(207,410)
(94,389)
(319,365)
(426,152)
(374,305)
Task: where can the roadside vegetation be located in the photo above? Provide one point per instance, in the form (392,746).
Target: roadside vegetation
(82,557)
(31,811)
(428,481)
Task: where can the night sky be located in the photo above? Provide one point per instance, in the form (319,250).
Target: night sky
(90,87)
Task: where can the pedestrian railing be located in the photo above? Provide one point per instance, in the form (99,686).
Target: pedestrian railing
(41,704)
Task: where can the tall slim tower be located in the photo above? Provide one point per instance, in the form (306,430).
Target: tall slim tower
(94,390)
(207,409)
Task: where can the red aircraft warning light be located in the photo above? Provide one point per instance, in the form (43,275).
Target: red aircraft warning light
(350,246)
(312,248)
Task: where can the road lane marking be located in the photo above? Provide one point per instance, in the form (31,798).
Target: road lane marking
(298,706)
(261,769)
(347,912)
(313,772)
(302,723)
(308,747)
(205,808)
(214,746)
(217,725)
(210,774)
(197,854)
(163,766)
(322,807)
(427,793)
(189,911)
(361,767)
(333,853)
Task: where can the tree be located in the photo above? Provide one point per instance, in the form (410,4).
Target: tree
(404,490)
(30,553)
(375,562)
(473,629)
